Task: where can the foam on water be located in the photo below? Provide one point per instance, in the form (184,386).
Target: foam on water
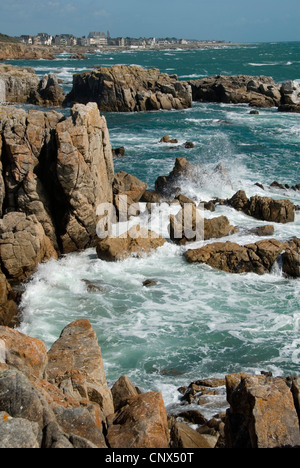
(195,322)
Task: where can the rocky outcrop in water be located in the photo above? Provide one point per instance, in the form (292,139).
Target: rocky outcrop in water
(55,173)
(258,258)
(22,85)
(257,91)
(61,399)
(130,89)
(264,208)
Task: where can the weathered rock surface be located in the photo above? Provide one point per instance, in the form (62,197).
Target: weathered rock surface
(258,91)
(264,208)
(23,245)
(252,258)
(290,102)
(189,225)
(8,307)
(48,93)
(12,51)
(57,169)
(130,89)
(22,85)
(136,242)
(55,172)
(142,423)
(60,399)
(127,190)
(262,413)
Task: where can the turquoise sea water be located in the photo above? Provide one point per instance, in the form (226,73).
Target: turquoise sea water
(196,322)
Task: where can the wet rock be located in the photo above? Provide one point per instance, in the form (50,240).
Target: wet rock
(149,282)
(167,139)
(118,152)
(142,423)
(48,93)
(259,91)
(256,258)
(136,242)
(188,225)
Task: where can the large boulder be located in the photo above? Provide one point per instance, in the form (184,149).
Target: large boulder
(262,413)
(77,350)
(142,423)
(264,208)
(28,355)
(23,245)
(138,242)
(189,225)
(58,169)
(130,89)
(259,91)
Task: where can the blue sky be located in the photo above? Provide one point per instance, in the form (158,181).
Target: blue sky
(231,20)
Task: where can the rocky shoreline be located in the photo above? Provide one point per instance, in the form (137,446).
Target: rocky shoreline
(61,399)
(55,172)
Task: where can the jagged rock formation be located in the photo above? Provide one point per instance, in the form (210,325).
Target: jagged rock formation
(256,258)
(55,171)
(138,242)
(130,89)
(61,399)
(257,91)
(22,85)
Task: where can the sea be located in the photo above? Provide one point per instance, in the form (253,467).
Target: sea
(195,322)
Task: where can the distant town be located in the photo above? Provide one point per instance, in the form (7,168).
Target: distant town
(102,39)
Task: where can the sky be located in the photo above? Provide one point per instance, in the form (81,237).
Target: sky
(229,20)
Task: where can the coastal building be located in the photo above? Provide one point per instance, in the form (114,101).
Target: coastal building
(97,38)
(65,40)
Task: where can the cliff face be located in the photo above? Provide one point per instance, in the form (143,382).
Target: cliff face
(130,89)
(54,173)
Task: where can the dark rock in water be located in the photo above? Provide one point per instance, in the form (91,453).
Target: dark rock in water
(130,89)
(167,139)
(118,152)
(189,145)
(263,230)
(149,282)
(254,112)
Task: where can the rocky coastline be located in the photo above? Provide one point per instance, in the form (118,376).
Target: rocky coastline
(61,399)
(55,172)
